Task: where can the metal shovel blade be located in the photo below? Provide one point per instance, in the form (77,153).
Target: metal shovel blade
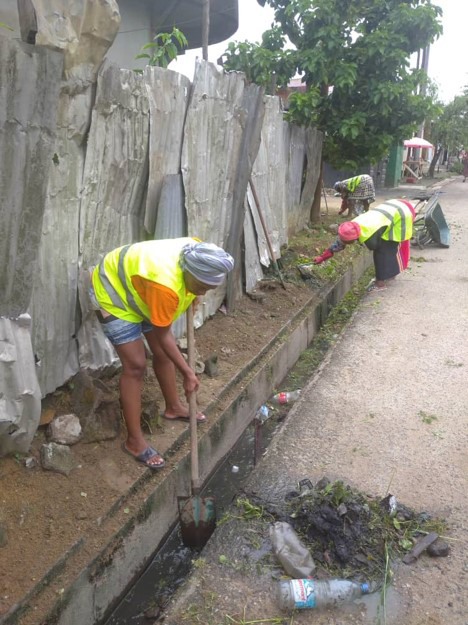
(197,516)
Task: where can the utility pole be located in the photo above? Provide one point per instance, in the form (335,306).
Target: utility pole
(422,91)
(205,28)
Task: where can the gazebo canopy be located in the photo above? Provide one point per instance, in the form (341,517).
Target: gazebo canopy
(417,142)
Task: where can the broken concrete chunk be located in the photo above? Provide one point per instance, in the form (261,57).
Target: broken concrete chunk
(211,366)
(58,458)
(439,549)
(422,544)
(257,296)
(65,429)
(30,462)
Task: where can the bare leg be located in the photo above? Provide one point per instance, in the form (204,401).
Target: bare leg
(133,359)
(165,372)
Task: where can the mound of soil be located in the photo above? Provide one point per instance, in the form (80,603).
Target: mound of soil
(348,533)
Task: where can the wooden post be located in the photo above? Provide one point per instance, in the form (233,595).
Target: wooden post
(205,28)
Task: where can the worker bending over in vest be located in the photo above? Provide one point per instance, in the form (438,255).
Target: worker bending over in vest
(143,288)
(355,191)
(386,230)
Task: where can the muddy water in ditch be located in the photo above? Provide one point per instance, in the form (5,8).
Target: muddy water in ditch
(173,561)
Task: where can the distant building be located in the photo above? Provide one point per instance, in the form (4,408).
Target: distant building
(295,85)
(143,19)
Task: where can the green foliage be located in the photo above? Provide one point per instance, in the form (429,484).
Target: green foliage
(457,167)
(353,56)
(449,126)
(163,49)
(258,60)
(3,25)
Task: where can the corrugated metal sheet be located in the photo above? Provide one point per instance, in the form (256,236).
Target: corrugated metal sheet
(83,30)
(253,268)
(251,121)
(168,95)
(29,88)
(270,172)
(114,184)
(212,141)
(98,196)
(116,166)
(20,396)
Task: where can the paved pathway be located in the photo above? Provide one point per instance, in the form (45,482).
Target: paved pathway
(404,355)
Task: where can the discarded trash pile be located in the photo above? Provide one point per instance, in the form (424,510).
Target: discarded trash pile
(351,534)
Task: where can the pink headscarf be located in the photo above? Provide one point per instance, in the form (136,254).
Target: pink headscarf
(349,231)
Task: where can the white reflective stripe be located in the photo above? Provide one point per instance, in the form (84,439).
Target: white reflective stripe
(109,289)
(402,219)
(121,273)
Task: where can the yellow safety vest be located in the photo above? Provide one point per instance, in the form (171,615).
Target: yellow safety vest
(352,183)
(153,260)
(394,215)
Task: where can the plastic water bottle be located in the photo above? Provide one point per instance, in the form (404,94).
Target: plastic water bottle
(308,593)
(286,398)
(291,551)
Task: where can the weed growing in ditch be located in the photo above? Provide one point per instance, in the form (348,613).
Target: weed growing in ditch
(339,316)
(427,418)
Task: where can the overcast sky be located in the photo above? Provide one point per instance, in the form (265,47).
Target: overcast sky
(448,60)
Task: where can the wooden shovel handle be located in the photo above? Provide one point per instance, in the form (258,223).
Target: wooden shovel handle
(192,405)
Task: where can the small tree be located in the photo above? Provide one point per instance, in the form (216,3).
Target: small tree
(449,130)
(163,48)
(353,56)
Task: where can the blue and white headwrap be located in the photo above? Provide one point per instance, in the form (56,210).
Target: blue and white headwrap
(206,262)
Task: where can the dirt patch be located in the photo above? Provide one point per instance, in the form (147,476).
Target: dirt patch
(45,514)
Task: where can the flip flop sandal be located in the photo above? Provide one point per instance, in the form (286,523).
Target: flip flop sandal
(374,288)
(200,418)
(145,456)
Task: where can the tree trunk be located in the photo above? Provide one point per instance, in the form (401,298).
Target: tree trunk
(435,158)
(315,216)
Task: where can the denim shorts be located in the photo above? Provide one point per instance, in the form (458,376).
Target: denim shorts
(119,331)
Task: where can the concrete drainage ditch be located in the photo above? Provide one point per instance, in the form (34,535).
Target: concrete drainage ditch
(108,579)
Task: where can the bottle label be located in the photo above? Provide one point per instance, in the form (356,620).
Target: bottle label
(282,398)
(303,592)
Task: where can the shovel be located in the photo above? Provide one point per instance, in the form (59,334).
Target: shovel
(197,515)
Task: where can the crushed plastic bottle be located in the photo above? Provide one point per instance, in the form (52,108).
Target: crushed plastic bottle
(286,398)
(290,551)
(262,413)
(308,593)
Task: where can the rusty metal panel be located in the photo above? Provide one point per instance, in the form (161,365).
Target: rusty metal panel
(20,397)
(29,89)
(168,94)
(114,185)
